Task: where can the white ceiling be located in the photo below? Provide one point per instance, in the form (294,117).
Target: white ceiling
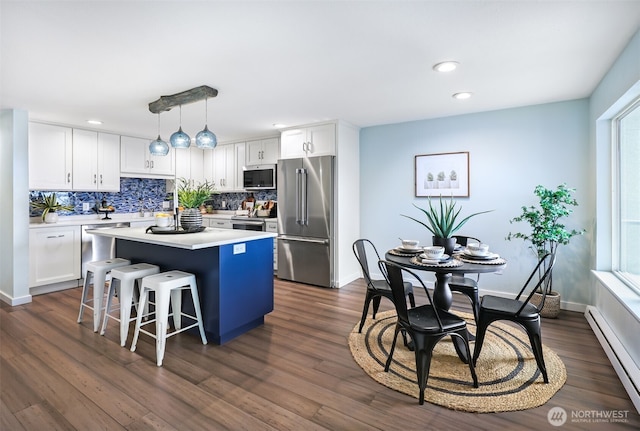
(299,62)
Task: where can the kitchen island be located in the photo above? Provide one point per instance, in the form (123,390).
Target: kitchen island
(233,269)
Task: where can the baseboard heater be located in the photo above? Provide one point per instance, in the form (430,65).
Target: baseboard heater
(627,370)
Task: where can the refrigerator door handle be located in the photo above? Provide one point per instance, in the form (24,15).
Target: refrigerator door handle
(305,206)
(299,239)
(298,195)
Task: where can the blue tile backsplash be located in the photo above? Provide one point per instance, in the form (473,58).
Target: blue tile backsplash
(136,194)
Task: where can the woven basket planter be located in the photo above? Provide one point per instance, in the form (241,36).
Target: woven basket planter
(551,306)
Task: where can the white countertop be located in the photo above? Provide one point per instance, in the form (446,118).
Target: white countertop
(210,237)
(78,220)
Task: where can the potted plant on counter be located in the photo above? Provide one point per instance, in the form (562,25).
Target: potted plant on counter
(50,207)
(191,199)
(547,232)
(443,221)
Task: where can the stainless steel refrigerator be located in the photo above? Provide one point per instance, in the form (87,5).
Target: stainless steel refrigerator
(305,220)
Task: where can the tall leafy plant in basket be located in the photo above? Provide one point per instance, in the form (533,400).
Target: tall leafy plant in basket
(546,223)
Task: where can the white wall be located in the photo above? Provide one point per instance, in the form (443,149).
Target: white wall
(511,151)
(14,218)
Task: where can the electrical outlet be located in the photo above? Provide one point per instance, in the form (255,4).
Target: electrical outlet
(85,206)
(165,205)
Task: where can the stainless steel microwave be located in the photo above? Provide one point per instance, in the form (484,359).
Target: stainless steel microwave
(259,177)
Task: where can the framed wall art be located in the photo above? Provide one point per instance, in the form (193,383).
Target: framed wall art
(445,174)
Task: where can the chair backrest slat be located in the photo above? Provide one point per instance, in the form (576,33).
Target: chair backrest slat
(361,248)
(543,272)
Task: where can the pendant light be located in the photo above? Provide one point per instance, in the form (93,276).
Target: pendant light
(159,147)
(180,139)
(205,138)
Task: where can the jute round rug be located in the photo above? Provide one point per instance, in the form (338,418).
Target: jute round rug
(508,376)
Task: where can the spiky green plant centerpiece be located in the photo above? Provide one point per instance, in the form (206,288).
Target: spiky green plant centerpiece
(194,197)
(443,220)
(50,204)
(191,198)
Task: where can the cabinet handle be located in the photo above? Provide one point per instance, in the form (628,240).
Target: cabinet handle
(100,178)
(55,236)
(151,164)
(146,163)
(95,178)
(68,177)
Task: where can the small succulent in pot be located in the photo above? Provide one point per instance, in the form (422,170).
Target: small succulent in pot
(50,204)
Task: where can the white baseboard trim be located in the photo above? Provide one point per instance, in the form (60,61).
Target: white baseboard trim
(627,370)
(15,301)
(55,287)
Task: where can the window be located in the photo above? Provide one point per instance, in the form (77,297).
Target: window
(626,256)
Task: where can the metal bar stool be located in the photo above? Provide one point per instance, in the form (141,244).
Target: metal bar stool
(123,281)
(168,286)
(97,272)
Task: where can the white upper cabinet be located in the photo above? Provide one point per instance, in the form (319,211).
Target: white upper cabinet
(137,161)
(263,151)
(190,164)
(96,161)
(308,141)
(50,157)
(223,166)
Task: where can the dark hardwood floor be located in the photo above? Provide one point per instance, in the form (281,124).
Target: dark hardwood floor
(294,373)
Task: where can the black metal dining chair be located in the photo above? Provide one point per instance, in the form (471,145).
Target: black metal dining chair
(425,324)
(520,311)
(376,289)
(466,285)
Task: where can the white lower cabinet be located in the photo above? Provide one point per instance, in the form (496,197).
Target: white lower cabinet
(54,255)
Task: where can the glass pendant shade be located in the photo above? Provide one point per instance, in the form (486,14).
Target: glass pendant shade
(180,139)
(206,139)
(159,147)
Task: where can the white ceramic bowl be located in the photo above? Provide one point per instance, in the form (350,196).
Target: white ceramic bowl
(410,243)
(476,249)
(434,252)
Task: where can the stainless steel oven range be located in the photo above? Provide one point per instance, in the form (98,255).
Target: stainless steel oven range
(248,223)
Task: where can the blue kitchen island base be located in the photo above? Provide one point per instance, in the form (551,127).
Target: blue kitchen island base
(235,281)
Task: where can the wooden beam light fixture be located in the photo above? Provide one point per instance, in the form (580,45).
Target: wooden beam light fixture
(165,103)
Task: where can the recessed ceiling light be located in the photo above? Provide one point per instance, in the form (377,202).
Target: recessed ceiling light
(445,66)
(462,96)
(279,125)
(94,122)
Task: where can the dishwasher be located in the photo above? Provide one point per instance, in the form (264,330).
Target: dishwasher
(98,247)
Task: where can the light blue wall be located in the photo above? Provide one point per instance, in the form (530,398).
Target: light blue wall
(511,151)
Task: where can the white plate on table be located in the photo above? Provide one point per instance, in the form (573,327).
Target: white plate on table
(444,258)
(488,256)
(409,249)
